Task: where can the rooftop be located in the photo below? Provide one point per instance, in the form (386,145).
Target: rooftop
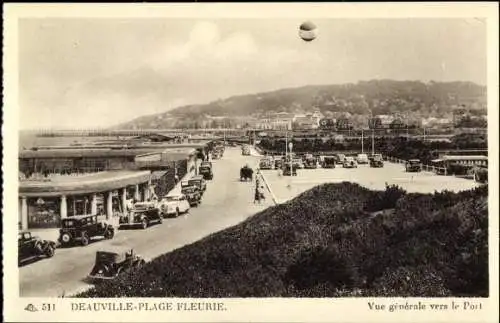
(83,184)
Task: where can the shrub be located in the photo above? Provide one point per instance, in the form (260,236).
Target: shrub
(326,243)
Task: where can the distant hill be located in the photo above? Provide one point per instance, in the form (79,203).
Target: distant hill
(377,96)
(334,240)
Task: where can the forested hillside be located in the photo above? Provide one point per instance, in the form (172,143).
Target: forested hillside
(376,96)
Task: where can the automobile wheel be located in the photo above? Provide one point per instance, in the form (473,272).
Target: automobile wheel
(65,238)
(49,252)
(144,224)
(109,234)
(85,240)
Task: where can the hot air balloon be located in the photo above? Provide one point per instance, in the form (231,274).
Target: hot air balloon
(308,31)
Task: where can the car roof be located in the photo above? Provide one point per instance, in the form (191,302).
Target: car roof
(174,195)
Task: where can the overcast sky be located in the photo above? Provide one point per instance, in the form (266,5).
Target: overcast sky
(99,72)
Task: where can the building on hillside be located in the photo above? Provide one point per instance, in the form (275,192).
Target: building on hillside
(306,122)
(275,121)
(437,123)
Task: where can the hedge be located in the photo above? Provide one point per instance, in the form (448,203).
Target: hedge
(334,240)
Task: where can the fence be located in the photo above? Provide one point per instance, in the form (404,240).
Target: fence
(426,168)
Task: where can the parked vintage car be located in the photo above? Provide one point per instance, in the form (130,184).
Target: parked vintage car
(246,173)
(288,170)
(198,181)
(245,150)
(174,205)
(310,161)
(83,228)
(206,172)
(31,247)
(376,161)
(350,162)
(339,158)
(413,165)
(143,214)
(362,159)
(206,164)
(329,162)
(278,162)
(266,163)
(108,265)
(297,163)
(192,194)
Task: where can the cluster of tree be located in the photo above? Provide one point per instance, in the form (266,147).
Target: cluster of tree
(398,147)
(334,240)
(471,122)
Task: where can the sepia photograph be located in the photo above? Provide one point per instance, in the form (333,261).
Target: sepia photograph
(292,157)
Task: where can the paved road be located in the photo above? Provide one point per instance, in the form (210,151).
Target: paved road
(226,202)
(285,188)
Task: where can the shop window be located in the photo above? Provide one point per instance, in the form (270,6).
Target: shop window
(43,212)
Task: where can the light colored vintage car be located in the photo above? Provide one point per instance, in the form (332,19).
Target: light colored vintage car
(350,162)
(174,205)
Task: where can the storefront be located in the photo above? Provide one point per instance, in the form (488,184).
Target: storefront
(43,204)
(43,212)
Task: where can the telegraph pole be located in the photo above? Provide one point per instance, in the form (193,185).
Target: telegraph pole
(362,145)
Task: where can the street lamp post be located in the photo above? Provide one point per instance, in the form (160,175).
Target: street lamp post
(290,146)
(373,141)
(362,144)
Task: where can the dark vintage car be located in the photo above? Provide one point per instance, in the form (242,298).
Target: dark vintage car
(206,172)
(310,162)
(246,173)
(278,162)
(108,265)
(339,158)
(198,181)
(82,228)
(288,170)
(142,215)
(31,247)
(413,165)
(376,161)
(192,194)
(329,162)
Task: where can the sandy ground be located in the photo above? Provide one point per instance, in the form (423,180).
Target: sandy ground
(286,187)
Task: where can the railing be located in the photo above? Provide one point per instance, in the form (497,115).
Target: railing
(48,175)
(427,168)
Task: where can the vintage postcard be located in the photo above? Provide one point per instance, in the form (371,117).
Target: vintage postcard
(250,162)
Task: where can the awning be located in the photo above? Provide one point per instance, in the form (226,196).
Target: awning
(155,175)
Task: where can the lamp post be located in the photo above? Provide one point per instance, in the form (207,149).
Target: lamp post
(290,146)
(373,141)
(362,145)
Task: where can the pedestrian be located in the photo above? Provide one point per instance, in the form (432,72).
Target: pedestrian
(257,195)
(176,178)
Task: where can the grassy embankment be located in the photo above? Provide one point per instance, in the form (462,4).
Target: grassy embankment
(334,240)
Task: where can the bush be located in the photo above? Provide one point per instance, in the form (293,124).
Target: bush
(327,242)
